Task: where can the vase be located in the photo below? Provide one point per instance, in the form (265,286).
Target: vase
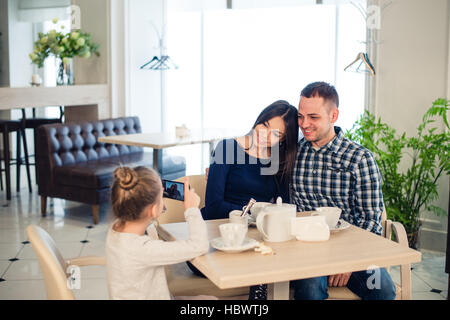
(413,239)
(64,72)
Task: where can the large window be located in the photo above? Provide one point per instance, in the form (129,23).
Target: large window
(234,63)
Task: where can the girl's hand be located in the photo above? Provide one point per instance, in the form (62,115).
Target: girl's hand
(191,199)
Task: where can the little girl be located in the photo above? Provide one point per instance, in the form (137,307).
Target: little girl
(135,260)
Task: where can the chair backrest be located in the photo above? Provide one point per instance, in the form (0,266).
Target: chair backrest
(175,208)
(383,218)
(52,264)
(387,226)
(73,143)
(33,110)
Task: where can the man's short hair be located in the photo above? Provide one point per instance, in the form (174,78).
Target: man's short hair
(323,90)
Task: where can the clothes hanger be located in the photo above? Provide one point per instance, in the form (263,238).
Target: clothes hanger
(164,63)
(358,57)
(362,58)
(367,60)
(161,64)
(153,61)
(169,62)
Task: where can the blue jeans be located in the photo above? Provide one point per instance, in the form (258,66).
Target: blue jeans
(368,285)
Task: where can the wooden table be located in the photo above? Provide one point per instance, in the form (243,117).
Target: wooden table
(160,141)
(349,250)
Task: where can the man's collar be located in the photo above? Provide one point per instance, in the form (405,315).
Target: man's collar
(332,146)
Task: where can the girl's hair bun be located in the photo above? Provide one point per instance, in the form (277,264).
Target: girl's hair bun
(127,177)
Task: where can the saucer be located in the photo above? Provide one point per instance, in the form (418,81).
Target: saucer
(217,243)
(341,225)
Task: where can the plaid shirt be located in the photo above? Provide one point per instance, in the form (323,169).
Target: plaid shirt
(340,174)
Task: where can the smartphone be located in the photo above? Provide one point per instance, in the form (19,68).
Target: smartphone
(173,189)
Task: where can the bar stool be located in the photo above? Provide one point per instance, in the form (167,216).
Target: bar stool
(34,123)
(6,127)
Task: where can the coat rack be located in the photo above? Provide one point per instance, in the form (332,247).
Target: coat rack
(374,14)
(163,62)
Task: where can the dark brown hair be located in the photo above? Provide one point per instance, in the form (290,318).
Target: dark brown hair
(288,144)
(133,190)
(323,90)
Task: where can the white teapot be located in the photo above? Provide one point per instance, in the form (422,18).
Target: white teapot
(274,221)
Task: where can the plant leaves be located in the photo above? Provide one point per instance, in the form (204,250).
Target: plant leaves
(406,193)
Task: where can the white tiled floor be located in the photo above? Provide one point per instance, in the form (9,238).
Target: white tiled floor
(70,224)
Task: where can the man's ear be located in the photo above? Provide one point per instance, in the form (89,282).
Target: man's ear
(334,114)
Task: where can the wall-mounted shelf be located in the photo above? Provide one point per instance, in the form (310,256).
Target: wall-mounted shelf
(95,96)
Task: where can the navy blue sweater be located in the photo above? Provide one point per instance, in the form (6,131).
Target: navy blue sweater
(235,177)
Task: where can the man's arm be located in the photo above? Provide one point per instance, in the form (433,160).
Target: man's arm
(368,205)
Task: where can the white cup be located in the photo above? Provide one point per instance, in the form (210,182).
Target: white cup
(233,234)
(257,208)
(235,216)
(331,214)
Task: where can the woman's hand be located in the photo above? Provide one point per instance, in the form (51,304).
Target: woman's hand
(206,174)
(191,199)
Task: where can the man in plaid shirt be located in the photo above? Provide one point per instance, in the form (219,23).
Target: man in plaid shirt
(332,171)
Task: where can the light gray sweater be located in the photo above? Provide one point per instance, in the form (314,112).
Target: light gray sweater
(135,264)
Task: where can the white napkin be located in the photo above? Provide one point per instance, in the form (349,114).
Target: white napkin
(312,228)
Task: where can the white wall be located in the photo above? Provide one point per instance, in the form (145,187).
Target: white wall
(20,46)
(412,71)
(118,49)
(95,19)
(144,95)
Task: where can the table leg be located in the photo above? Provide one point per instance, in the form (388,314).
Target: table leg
(157,160)
(278,291)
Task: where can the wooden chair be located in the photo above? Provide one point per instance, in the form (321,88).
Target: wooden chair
(403,289)
(53,266)
(180,279)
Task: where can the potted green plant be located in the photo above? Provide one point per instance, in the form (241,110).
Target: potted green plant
(410,166)
(64,46)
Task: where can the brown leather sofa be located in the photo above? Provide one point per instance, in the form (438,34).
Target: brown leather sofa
(71,164)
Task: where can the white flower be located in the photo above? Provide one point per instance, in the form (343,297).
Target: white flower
(81,42)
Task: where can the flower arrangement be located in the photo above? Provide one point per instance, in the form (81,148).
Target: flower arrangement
(63,46)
